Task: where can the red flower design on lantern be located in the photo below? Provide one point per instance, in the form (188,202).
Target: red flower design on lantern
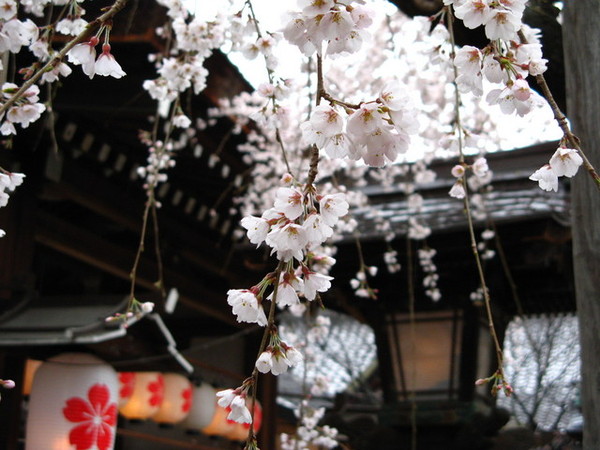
(157,390)
(127,381)
(187,399)
(96,419)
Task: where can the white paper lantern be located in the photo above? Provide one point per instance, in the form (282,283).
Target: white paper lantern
(204,403)
(126,386)
(147,396)
(177,399)
(73,404)
(219,425)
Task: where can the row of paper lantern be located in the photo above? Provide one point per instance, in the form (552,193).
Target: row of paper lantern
(75,397)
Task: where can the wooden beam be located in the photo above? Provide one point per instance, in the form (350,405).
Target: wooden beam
(100,253)
(95,193)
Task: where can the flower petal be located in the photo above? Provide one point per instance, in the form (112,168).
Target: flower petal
(105,436)
(99,396)
(83,436)
(77,410)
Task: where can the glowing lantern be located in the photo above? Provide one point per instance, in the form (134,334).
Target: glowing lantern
(204,404)
(177,399)
(73,404)
(126,386)
(219,425)
(31,367)
(147,396)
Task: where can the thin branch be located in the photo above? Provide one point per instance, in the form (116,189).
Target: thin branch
(57,58)
(467,207)
(561,119)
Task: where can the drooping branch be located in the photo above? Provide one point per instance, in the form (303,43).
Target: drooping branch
(59,56)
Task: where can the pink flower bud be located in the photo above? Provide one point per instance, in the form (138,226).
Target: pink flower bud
(7,384)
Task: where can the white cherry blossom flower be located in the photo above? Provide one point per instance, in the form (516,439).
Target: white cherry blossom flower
(289,202)
(480,167)
(61,69)
(264,363)
(288,241)
(565,162)
(287,291)
(84,54)
(332,207)
(106,64)
(457,190)
(293,355)
(226,396)
(8,9)
(239,411)
(326,120)
(71,26)
(520,89)
(458,171)
(315,282)
(365,120)
(474,13)
(317,230)
(546,177)
(279,363)
(245,306)
(257,227)
(502,25)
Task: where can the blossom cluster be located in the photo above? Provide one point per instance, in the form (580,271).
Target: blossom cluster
(17,33)
(430,275)
(181,67)
(339,25)
(506,60)
(360,283)
(160,158)
(135,309)
(375,132)
(295,227)
(564,162)
(309,433)
(299,220)
(8,183)
(24,111)
(236,400)
(483,246)
(501,18)
(84,54)
(480,170)
(278,355)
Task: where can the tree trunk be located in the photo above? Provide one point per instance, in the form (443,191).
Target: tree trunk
(581,38)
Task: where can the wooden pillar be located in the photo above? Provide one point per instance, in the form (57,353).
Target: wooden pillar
(11,368)
(581,38)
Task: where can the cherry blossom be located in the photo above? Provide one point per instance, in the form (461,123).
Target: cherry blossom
(84,54)
(315,282)
(235,400)
(565,162)
(458,189)
(546,177)
(106,65)
(246,307)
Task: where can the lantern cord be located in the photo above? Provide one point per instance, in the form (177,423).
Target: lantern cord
(171,344)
